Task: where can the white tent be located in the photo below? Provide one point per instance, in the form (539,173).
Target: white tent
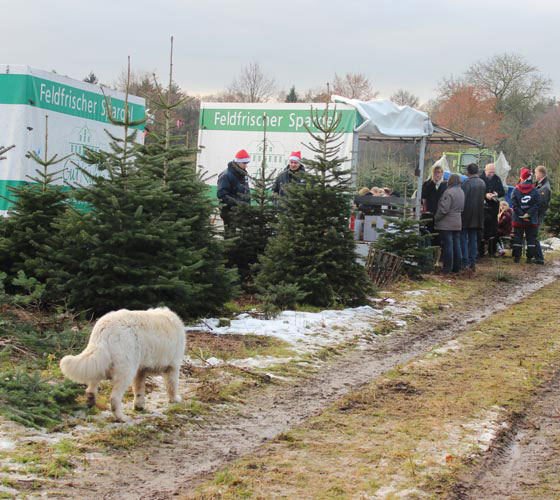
(384,120)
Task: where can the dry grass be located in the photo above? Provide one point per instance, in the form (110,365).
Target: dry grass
(408,434)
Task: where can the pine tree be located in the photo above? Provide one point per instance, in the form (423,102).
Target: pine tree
(552,218)
(292,95)
(28,227)
(403,238)
(253,223)
(313,247)
(147,240)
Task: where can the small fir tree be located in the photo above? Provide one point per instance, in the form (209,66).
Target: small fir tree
(313,247)
(26,231)
(253,223)
(408,238)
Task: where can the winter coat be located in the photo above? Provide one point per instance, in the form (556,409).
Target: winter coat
(525,199)
(504,222)
(432,194)
(543,187)
(475,192)
(448,214)
(493,183)
(233,186)
(287,176)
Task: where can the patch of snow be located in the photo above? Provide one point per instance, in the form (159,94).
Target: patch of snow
(416,292)
(6,444)
(452,345)
(551,243)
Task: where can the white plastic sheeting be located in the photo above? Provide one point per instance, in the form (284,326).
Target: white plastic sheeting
(502,168)
(383,117)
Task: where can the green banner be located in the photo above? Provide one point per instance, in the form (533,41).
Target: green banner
(277,120)
(47,94)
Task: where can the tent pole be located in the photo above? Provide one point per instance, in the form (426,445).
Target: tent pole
(354,163)
(420,177)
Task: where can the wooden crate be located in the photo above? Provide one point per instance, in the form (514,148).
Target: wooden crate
(383,267)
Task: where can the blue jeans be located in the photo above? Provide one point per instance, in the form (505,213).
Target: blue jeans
(451,242)
(469,247)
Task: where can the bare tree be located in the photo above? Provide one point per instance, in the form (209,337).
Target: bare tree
(405,98)
(506,75)
(354,86)
(252,85)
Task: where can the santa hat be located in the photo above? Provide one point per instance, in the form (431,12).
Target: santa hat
(525,174)
(295,156)
(242,157)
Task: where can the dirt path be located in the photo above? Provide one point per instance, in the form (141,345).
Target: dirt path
(525,460)
(162,471)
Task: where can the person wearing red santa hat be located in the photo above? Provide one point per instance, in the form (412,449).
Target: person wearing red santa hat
(233,188)
(525,201)
(292,173)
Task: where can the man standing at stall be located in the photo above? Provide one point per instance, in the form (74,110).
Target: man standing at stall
(292,173)
(233,188)
(472,216)
(494,191)
(543,187)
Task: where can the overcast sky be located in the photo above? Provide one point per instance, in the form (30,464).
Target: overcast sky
(397,44)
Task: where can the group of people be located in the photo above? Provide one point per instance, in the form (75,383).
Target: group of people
(233,183)
(468,219)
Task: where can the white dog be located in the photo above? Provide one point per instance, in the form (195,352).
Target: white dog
(125,346)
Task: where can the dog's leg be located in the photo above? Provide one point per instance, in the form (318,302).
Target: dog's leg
(121,382)
(91,393)
(139,389)
(171,379)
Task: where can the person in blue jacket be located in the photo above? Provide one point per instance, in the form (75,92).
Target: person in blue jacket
(525,201)
(233,187)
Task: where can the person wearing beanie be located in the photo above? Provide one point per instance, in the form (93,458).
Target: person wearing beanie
(525,201)
(233,187)
(543,187)
(292,173)
(448,223)
(494,191)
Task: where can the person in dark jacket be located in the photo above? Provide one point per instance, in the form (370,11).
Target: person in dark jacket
(543,187)
(448,223)
(473,216)
(292,173)
(432,191)
(494,191)
(233,188)
(525,201)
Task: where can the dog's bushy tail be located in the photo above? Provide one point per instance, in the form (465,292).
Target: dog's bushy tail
(91,364)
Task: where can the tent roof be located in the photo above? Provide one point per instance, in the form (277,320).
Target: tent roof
(384,120)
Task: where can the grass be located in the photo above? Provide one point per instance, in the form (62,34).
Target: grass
(413,431)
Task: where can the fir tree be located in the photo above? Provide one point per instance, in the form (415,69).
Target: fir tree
(28,227)
(253,222)
(313,247)
(403,238)
(147,239)
(552,218)
(292,95)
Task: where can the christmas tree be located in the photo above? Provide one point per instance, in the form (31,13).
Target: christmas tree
(28,228)
(147,240)
(313,247)
(552,218)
